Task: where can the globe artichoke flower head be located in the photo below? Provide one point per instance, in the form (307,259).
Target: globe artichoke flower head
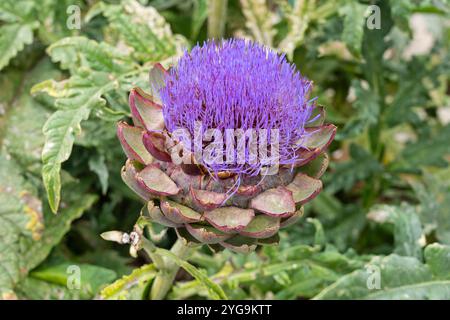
(227,146)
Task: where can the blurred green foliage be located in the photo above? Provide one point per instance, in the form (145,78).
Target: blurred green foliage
(385,209)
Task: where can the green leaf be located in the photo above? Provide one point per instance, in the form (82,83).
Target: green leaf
(34,289)
(354,24)
(400,278)
(132,286)
(97,164)
(59,132)
(427,151)
(56,226)
(434,208)
(433,290)
(298,19)
(437,257)
(401,12)
(319,236)
(13,38)
(214,289)
(92,277)
(15,11)
(54,15)
(76,53)
(346,230)
(408,233)
(17,24)
(373,47)
(259,20)
(429,209)
(199,16)
(76,97)
(21,135)
(30,228)
(367,107)
(16,199)
(361,167)
(144,30)
(411,93)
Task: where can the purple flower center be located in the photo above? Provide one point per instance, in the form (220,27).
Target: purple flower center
(236,84)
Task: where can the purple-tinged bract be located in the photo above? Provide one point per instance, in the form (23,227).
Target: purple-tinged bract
(236,84)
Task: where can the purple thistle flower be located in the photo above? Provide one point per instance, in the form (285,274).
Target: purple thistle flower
(236,84)
(232,87)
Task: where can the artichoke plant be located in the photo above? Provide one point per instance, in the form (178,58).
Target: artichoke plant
(183,172)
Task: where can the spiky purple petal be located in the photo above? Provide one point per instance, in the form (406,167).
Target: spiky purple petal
(236,84)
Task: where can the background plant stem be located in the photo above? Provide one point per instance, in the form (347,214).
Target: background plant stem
(163,281)
(217,13)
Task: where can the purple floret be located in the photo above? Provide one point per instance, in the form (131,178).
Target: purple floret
(240,85)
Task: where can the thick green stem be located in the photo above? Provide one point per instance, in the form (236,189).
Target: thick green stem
(150,248)
(217,13)
(164,280)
